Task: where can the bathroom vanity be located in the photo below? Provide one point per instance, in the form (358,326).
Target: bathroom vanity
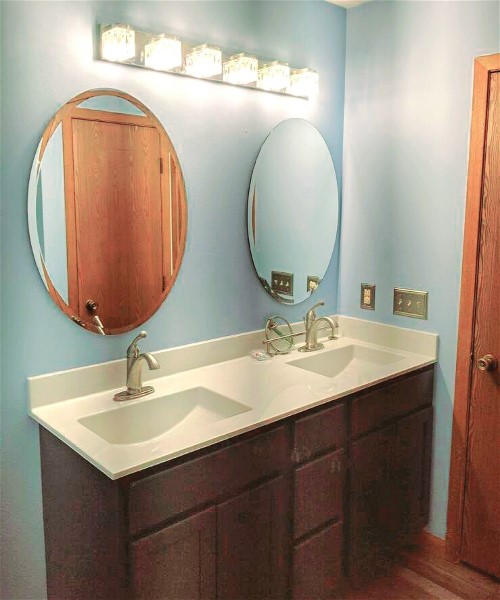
(292,507)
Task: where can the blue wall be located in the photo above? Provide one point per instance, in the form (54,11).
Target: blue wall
(47,50)
(407,120)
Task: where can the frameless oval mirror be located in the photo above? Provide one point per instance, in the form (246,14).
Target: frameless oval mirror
(107,211)
(293,211)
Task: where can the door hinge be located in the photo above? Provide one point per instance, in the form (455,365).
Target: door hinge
(161,165)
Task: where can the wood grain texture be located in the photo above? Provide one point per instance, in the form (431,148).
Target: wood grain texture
(374,409)
(118,209)
(317,565)
(481,515)
(483,66)
(252,543)
(84,524)
(319,432)
(178,562)
(196,482)
(171,257)
(322,479)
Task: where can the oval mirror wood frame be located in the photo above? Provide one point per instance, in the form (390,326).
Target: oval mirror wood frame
(170,216)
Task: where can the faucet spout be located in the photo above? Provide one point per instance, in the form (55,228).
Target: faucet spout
(312,327)
(135,389)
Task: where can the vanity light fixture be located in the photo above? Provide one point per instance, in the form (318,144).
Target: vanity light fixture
(118,43)
(163,53)
(274,77)
(204,61)
(241,69)
(304,82)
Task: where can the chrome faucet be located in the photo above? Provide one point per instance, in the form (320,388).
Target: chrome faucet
(312,326)
(135,389)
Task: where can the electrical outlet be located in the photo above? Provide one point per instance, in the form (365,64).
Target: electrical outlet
(410,303)
(367,296)
(282,282)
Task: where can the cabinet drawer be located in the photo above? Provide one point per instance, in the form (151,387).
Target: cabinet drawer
(321,431)
(373,409)
(317,565)
(319,492)
(188,485)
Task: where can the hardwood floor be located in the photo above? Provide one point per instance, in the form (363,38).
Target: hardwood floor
(425,574)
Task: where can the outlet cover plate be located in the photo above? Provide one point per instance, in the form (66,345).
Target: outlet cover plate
(410,303)
(367,296)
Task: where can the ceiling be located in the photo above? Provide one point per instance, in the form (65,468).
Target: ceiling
(348,3)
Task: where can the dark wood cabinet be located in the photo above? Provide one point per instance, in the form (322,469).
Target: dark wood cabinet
(390,485)
(267,515)
(177,562)
(317,565)
(252,543)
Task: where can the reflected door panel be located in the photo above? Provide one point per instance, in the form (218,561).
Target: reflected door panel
(118,221)
(107,211)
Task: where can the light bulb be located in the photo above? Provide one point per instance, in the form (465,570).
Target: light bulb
(163,53)
(274,76)
(204,61)
(240,69)
(303,82)
(118,43)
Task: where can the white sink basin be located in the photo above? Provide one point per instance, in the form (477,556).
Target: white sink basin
(143,421)
(334,362)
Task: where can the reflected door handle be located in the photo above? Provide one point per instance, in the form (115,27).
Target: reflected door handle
(91,305)
(487,363)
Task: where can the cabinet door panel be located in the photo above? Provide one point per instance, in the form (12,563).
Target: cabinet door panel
(317,565)
(252,554)
(412,470)
(178,562)
(319,492)
(374,507)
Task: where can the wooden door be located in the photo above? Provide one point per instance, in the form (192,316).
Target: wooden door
(252,556)
(481,519)
(118,221)
(473,532)
(178,562)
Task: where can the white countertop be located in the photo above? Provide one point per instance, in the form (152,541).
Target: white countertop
(272,389)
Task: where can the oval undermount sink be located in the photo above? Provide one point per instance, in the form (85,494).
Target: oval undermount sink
(334,362)
(146,420)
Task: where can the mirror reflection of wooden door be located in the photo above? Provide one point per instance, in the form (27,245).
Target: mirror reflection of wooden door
(474,503)
(120,257)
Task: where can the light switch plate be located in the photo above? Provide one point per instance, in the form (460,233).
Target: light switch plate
(367,296)
(410,303)
(282,282)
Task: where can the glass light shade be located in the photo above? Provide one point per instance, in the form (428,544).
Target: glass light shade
(303,82)
(204,61)
(118,43)
(163,53)
(240,69)
(274,76)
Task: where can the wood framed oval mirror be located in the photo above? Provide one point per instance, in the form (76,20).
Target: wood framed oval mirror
(107,211)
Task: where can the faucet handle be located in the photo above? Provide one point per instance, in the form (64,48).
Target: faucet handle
(133,349)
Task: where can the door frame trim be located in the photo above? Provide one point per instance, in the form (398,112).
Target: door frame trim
(483,67)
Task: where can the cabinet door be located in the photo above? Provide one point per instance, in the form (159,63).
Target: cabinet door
(317,565)
(252,555)
(374,506)
(412,470)
(178,562)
